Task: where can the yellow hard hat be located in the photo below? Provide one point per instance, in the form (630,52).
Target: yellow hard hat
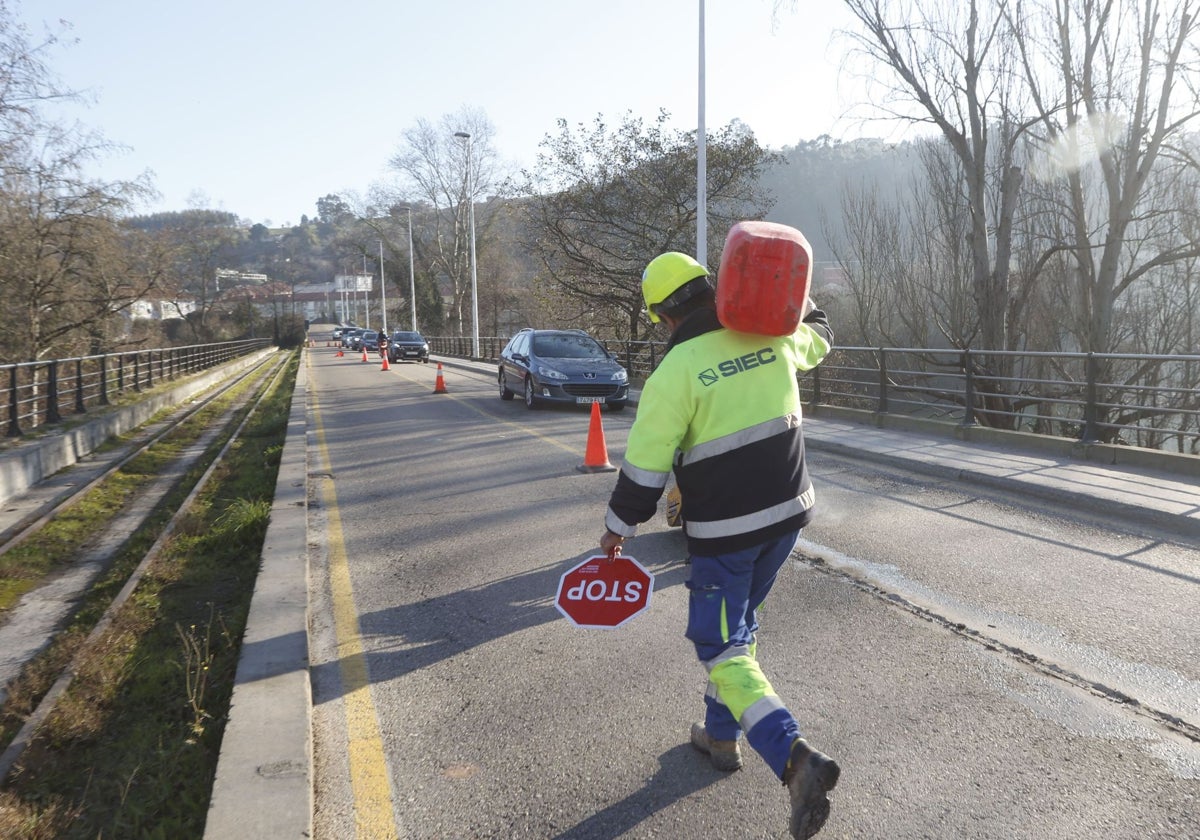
(667,281)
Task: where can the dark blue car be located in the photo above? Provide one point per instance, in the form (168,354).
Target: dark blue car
(561,366)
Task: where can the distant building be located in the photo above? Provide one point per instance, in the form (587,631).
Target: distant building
(228,278)
(313,302)
(160,310)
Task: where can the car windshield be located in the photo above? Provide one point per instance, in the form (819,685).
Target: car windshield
(406,336)
(567,346)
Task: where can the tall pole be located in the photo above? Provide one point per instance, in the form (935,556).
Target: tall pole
(366,295)
(471,223)
(412,277)
(701,161)
(382,289)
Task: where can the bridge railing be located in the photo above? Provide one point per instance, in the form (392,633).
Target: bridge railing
(1150,401)
(44,393)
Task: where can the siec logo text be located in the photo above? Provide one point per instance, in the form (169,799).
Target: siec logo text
(738,364)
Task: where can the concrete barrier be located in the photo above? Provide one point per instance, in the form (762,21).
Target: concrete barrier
(26,462)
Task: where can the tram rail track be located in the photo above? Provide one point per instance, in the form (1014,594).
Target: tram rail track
(200,442)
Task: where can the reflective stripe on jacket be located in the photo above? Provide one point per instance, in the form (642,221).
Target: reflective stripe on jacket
(723,410)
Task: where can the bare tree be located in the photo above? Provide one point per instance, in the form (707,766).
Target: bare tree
(433,168)
(947,66)
(605,200)
(199,242)
(1113,86)
(65,267)
(1113,82)
(64,270)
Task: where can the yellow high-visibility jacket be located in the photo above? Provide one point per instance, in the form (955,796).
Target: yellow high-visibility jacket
(723,410)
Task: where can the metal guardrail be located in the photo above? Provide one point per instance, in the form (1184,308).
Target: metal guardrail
(1148,401)
(40,393)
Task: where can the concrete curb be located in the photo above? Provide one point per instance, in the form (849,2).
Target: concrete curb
(1107,454)
(263,784)
(1092,499)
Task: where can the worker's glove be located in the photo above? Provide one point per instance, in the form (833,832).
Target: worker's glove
(674,507)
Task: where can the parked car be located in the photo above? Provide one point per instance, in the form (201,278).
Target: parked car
(406,344)
(369,341)
(561,366)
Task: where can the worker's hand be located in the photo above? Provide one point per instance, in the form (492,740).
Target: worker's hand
(611,544)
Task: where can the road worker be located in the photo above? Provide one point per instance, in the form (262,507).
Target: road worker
(722,409)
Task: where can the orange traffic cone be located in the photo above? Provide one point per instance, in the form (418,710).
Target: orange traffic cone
(440,386)
(385,363)
(340,353)
(595,459)
(364,354)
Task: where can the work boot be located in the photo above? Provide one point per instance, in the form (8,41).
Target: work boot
(809,777)
(725,755)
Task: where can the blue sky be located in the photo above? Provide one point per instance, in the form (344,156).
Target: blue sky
(260,108)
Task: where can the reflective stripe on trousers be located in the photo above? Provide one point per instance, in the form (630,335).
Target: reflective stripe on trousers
(725,592)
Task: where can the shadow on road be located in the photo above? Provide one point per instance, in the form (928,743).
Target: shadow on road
(409,637)
(677,778)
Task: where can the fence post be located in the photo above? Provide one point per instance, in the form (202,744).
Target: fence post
(883,377)
(104,380)
(80,408)
(137,377)
(14,404)
(1091,408)
(968,389)
(149,368)
(52,415)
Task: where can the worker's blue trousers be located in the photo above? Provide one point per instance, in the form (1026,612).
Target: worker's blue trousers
(725,593)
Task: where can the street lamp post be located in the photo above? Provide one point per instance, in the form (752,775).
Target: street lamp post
(412,277)
(701,160)
(471,223)
(366,294)
(382,288)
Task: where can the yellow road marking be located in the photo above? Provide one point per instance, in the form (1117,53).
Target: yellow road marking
(368,768)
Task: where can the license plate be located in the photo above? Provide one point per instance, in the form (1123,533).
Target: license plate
(585,400)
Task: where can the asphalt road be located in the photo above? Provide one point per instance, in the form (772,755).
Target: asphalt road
(958,652)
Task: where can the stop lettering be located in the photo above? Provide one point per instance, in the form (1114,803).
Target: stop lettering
(604,593)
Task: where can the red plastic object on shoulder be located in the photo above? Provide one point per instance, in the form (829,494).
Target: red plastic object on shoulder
(763,279)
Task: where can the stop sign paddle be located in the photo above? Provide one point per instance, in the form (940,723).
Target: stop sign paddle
(600,592)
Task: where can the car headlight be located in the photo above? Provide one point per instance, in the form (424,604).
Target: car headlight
(620,376)
(549,373)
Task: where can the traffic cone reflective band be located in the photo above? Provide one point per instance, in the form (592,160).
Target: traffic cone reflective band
(595,459)
(440,386)
(385,363)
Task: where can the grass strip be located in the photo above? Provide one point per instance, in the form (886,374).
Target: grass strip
(132,748)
